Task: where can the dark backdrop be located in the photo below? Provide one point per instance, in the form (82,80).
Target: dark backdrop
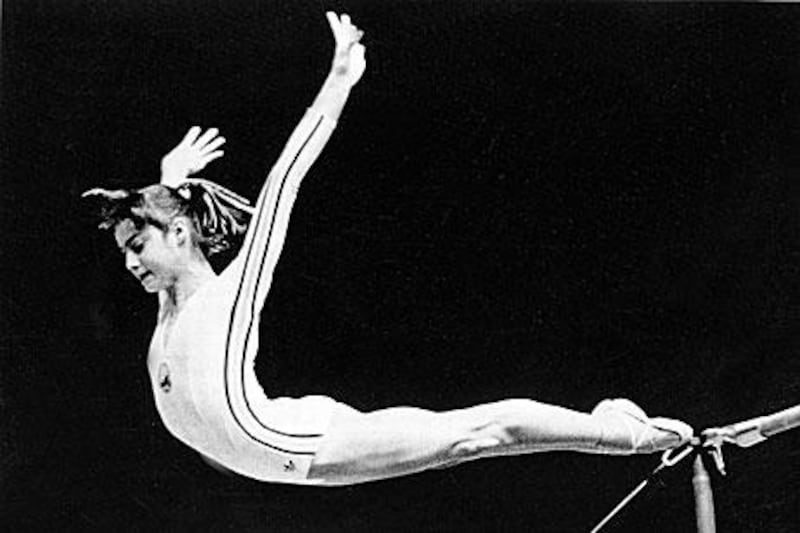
(564,202)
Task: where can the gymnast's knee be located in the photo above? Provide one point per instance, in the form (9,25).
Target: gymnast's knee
(493,429)
(481,441)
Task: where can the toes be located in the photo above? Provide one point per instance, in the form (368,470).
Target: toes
(682,431)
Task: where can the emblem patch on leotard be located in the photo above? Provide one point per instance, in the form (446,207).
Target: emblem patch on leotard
(163,377)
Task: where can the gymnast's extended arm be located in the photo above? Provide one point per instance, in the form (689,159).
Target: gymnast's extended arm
(268,227)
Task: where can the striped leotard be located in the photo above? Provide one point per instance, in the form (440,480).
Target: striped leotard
(201,363)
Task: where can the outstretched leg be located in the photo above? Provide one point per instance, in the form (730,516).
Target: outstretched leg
(392,442)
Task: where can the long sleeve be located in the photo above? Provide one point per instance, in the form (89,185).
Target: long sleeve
(268,227)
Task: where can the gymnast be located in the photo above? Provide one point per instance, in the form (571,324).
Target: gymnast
(202,352)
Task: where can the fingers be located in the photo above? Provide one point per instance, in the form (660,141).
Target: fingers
(191,136)
(205,143)
(333,22)
(208,158)
(213,145)
(206,137)
(344,31)
(351,33)
(336,27)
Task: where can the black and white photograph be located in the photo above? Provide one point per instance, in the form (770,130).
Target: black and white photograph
(403,266)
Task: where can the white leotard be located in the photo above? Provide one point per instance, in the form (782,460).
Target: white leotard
(201,363)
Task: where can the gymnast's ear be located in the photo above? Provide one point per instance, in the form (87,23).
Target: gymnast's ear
(180,228)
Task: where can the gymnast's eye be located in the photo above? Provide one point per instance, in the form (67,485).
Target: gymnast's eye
(137,247)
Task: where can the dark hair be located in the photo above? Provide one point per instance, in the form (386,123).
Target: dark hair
(219,217)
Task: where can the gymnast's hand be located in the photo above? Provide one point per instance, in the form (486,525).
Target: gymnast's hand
(348,58)
(193,153)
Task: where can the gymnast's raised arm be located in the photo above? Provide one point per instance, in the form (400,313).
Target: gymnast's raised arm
(198,148)
(267,230)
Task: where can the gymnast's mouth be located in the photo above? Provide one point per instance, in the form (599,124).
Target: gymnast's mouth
(144,277)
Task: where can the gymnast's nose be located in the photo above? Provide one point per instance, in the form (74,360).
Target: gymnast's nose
(132,262)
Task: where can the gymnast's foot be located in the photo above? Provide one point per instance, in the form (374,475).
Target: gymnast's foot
(626,429)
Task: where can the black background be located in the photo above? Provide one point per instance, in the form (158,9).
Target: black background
(562,202)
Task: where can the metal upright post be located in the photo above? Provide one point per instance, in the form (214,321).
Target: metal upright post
(703,497)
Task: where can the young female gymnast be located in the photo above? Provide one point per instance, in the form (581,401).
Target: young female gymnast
(201,358)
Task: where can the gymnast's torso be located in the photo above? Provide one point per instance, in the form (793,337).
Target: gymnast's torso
(202,357)
(207,394)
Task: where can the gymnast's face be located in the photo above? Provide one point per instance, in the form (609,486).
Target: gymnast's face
(151,255)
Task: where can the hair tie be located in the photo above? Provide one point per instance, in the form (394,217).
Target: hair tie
(217,192)
(184,191)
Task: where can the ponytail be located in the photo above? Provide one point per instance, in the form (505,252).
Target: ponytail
(220,215)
